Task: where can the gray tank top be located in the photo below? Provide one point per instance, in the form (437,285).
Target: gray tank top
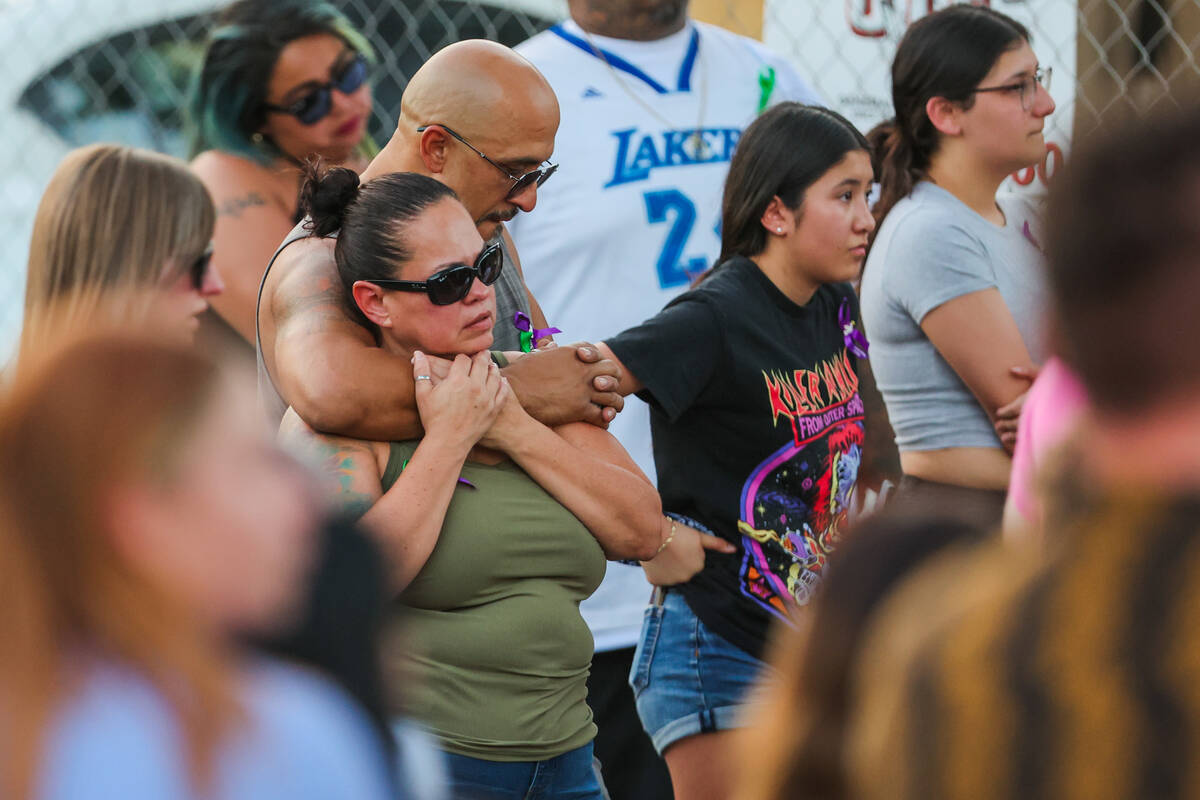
(511,297)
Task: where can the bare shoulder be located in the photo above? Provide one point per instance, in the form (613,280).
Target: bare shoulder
(327,452)
(351,469)
(219,170)
(218,166)
(237,184)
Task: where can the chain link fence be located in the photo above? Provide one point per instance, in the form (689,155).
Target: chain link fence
(81,71)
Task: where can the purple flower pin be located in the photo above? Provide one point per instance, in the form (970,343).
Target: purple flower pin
(529,334)
(856,342)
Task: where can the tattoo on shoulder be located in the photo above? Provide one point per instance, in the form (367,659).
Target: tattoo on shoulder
(234,206)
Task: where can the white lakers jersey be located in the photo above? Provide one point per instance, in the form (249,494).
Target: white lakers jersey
(633,213)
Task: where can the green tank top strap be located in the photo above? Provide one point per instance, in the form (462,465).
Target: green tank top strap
(398,455)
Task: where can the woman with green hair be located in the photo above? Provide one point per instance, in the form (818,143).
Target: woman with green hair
(281,82)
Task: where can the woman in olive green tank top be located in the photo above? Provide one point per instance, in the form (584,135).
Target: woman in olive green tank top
(496,526)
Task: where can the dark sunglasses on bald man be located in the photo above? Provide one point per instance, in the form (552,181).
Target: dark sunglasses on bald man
(520,182)
(452,284)
(315,104)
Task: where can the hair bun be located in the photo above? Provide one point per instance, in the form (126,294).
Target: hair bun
(326,195)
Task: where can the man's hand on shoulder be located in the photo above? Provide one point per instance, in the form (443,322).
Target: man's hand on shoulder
(565,384)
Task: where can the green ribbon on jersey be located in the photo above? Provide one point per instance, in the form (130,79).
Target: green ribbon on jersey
(766,85)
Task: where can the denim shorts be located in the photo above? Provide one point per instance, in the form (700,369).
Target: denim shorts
(685,678)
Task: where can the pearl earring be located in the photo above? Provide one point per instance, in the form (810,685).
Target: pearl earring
(779,230)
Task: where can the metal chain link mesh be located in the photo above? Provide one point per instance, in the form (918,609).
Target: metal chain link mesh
(1135,53)
(81,71)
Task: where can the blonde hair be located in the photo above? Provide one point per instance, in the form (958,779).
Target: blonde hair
(78,423)
(114,222)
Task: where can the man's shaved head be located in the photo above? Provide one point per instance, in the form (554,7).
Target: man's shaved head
(477,82)
(497,101)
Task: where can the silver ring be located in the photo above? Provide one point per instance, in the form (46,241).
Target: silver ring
(424,378)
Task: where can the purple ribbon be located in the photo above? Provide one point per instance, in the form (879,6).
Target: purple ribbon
(856,342)
(529,334)
(1029,235)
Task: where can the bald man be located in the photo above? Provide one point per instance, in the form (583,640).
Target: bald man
(481,119)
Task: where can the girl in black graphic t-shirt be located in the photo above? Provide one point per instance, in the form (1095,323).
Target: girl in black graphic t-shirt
(758,427)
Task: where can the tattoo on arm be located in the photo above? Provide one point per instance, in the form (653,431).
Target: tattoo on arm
(234,206)
(355,504)
(339,462)
(316,301)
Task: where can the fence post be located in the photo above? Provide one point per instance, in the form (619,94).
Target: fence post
(740,16)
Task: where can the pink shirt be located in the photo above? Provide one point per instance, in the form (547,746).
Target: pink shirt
(1055,402)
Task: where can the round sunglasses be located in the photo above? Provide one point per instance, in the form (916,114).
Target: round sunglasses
(452,284)
(315,104)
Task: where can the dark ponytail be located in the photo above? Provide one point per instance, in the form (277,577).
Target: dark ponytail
(781,153)
(371,219)
(901,157)
(945,54)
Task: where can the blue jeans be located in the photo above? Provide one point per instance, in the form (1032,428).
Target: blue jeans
(685,678)
(574,775)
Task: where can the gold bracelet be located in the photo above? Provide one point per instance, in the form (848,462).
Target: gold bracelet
(666,541)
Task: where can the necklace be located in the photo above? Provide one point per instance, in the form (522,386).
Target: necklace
(694,145)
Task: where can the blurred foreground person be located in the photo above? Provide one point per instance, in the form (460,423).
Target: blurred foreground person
(121,239)
(281,82)
(794,746)
(121,233)
(145,525)
(998,675)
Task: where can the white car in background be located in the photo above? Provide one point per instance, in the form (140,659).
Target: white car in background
(73,72)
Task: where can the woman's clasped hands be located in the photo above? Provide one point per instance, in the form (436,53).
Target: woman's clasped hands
(459,400)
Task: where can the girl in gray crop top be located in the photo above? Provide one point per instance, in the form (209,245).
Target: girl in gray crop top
(952,291)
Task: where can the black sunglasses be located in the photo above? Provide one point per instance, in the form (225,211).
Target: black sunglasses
(520,182)
(452,284)
(314,105)
(199,268)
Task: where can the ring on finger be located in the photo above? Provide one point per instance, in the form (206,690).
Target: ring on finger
(424,378)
